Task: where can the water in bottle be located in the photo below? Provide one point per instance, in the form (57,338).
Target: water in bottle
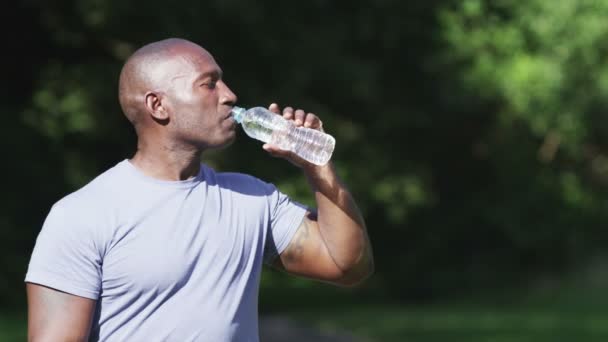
(260,123)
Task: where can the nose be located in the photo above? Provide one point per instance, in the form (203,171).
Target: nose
(227,96)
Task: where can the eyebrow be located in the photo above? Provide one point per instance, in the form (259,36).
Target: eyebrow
(214,74)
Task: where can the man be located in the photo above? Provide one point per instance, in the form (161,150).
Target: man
(161,247)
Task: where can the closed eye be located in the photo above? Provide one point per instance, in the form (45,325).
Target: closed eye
(210,84)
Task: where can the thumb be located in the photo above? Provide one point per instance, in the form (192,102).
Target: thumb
(273,150)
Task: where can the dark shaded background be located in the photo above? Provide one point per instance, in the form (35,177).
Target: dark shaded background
(473,133)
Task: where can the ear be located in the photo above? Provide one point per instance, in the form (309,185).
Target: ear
(154,106)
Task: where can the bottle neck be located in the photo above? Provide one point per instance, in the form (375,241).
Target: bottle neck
(237,113)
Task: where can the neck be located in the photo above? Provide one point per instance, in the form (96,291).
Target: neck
(167,161)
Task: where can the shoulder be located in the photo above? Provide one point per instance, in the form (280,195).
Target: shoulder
(95,196)
(86,216)
(239,182)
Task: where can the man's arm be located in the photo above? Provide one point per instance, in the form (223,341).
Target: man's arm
(331,245)
(57,316)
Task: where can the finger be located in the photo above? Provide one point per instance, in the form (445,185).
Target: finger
(299,117)
(274,108)
(269,148)
(311,121)
(275,151)
(287,155)
(288,113)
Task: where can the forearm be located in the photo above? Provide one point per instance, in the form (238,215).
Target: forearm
(340,222)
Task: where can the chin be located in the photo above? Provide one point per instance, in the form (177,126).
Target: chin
(223,144)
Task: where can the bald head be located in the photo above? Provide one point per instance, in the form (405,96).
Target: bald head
(148,69)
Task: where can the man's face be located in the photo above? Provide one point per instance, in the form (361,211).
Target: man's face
(198,100)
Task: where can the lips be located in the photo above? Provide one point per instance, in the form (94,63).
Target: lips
(228,116)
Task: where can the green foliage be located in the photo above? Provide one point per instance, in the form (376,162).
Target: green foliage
(543,60)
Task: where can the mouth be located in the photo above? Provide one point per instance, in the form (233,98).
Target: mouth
(228,116)
(230,119)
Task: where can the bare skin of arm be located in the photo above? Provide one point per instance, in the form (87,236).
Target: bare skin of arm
(332,244)
(57,316)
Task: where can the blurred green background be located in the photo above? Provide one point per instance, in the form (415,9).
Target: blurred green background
(473,133)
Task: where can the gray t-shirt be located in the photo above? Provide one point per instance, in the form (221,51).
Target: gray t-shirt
(166,261)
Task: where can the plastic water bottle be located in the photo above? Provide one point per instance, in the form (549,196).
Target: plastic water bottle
(260,123)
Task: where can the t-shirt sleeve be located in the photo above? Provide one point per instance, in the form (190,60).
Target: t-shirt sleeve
(286,217)
(66,256)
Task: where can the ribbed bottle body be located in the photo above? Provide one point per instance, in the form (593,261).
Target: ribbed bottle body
(310,144)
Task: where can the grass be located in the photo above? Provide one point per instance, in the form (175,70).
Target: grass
(563,314)
(462,323)
(431,323)
(13,326)
(568,314)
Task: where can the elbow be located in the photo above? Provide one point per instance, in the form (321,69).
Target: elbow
(353,282)
(356,276)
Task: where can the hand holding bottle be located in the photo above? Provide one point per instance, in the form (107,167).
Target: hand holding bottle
(299,118)
(295,135)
